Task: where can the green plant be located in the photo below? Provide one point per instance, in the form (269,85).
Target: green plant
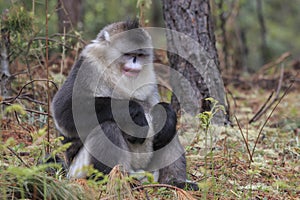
(34,183)
(205,123)
(206,118)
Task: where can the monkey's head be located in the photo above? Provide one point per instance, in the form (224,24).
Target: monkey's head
(130,43)
(124,50)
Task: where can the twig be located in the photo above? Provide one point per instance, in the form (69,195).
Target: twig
(264,108)
(29,110)
(245,141)
(268,118)
(280,81)
(48,86)
(19,123)
(52,40)
(17,118)
(13,152)
(69,35)
(20,91)
(25,97)
(279,60)
(147,195)
(228,105)
(228,108)
(261,110)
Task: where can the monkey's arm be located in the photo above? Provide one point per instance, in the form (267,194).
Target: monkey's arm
(164,121)
(103,109)
(128,114)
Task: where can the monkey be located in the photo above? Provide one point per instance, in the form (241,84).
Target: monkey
(109,110)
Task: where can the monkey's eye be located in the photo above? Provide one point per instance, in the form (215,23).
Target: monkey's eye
(127,54)
(141,55)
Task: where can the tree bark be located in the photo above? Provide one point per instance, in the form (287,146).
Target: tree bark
(4,59)
(69,14)
(198,68)
(263,31)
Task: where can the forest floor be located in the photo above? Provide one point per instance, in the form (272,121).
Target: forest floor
(225,172)
(219,160)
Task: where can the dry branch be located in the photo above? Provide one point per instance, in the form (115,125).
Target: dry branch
(245,141)
(29,110)
(22,161)
(266,107)
(10,100)
(261,129)
(279,60)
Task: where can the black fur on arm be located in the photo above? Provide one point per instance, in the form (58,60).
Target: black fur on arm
(137,135)
(103,109)
(103,106)
(164,133)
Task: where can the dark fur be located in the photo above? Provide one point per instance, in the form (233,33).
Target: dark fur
(103,106)
(166,133)
(132,24)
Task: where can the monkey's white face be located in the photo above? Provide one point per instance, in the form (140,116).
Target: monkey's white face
(123,65)
(132,64)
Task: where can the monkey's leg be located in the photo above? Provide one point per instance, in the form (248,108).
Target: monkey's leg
(175,174)
(169,155)
(171,163)
(103,148)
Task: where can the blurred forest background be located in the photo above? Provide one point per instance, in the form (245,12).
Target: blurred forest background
(258,46)
(249,33)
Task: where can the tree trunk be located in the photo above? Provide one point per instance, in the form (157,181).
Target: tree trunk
(69,14)
(198,68)
(263,31)
(4,52)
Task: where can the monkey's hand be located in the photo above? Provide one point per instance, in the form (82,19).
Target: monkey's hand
(164,122)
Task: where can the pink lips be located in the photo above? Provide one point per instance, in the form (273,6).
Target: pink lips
(130,72)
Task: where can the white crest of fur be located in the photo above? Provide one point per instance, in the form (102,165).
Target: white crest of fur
(106,36)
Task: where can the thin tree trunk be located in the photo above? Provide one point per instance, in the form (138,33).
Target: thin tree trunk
(4,52)
(263,31)
(200,71)
(223,20)
(69,14)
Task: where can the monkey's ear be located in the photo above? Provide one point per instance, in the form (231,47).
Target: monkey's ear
(103,36)
(106,36)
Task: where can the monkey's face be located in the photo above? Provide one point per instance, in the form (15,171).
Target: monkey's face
(132,63)
(123,60)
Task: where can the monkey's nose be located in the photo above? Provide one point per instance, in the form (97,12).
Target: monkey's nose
(134,59)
